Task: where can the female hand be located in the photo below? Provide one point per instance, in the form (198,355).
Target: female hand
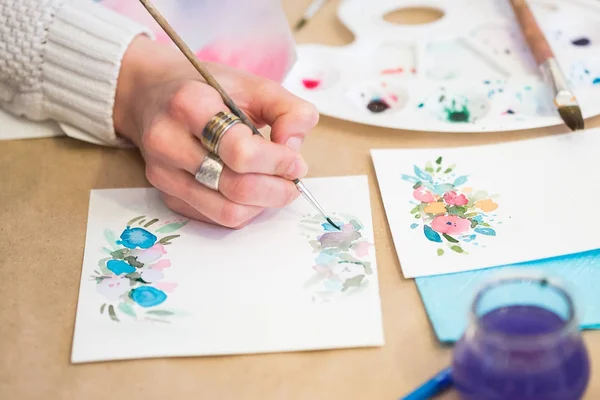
(163,104)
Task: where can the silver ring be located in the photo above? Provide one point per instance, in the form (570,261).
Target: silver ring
(210,171)
(216,128)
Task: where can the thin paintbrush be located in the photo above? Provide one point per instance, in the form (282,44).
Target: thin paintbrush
(226,99)
(310,12)
(564,99)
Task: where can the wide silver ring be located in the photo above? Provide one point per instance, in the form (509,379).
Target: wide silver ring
(216,128)
(210,171)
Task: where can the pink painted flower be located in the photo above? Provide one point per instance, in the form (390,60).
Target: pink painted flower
(423,195)
(455,199)
(149,255)
(450,224)
(362,248)
(113,288)
(168,287)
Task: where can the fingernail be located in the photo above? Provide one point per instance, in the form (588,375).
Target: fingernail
(298,169)
(294,143)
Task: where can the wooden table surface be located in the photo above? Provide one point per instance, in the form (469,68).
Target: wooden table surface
(44,195)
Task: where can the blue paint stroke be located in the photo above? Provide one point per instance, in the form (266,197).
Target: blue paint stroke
(147,296)
(137,237)
(422,174)
(596,81)
(485,231)
(431,234)
(413,225)
(119,267)
(461,180)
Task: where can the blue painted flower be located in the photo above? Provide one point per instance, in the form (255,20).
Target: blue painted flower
(137,237)
(119,267)
(147,296)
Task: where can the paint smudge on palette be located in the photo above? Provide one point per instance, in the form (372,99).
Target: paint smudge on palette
(456,107)
(580,35)
(584,73)
(379,97)
(531,99)
(317,77)
(395,59)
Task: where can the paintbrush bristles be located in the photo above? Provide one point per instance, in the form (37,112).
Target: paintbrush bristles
(572,117)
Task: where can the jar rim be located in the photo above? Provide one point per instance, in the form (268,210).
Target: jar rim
(518,340)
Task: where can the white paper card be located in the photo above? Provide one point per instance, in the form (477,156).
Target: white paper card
(12,127)
(460,209)
(286,282)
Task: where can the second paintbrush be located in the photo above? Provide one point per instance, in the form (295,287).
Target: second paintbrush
(226,99)
(564,99)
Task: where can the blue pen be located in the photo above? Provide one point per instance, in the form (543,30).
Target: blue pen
(432,387)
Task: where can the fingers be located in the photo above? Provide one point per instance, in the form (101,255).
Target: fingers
(210,204)
(290,117)
(183,151)
(196,103)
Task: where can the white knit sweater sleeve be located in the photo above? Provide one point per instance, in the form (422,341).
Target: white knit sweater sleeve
(60,60)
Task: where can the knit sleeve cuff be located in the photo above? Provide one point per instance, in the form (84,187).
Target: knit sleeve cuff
(85,45)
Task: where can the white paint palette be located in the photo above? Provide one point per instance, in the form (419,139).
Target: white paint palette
(470,71)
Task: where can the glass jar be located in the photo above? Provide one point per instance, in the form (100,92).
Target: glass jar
(522,343)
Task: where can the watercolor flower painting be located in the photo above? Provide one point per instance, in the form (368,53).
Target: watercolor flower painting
(131,278)
(340,266)
(451,214)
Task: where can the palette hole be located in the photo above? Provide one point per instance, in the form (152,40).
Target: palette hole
(414,15)
(379,97)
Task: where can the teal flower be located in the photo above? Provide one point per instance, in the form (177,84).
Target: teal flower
(137,237)
(147,296)
(119,267)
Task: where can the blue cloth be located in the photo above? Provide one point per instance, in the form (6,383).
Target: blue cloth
(447,298)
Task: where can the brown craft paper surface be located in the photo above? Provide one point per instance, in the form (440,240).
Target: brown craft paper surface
(44,193)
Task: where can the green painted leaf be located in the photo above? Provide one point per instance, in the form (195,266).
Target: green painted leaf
(353,282)
(102,307)
(471,215)
(119,254)
(111,312)
(134,262)
(416,209)
(457,210)
(474,223)
(440,252)
(417,185)
(152,221)
(449,238)
(111,238)
(457,249)
(135,220)
(166,239)
(417,216)
(142,221)
(485,224)
(429,169)
(368,269)
(448,170)
(127,309)
(163,313)
(102,266)
(172,227)
(438,161)
(438,169)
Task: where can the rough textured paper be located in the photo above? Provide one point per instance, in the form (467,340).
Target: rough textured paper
(461,209)
(155,284)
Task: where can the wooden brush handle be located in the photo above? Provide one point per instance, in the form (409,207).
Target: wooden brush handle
(533,34)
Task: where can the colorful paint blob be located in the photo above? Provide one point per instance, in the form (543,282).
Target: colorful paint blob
(457,113)
(311,83)
(596,81)
(377,106)
(582,41)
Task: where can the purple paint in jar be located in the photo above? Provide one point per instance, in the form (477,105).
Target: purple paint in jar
(523,343)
